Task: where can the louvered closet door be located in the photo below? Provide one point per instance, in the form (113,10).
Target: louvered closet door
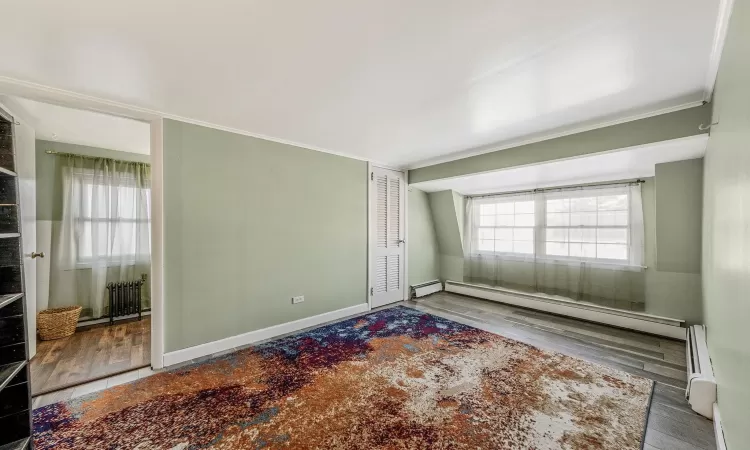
(387,277)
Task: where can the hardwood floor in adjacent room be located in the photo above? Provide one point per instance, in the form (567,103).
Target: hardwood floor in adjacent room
(671,423)
(92,353)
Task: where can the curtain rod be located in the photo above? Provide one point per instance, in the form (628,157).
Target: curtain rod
(56,153)
(561,188)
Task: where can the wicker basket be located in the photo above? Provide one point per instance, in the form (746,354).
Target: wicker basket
(57,323)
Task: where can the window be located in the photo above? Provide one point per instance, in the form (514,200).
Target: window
(507,227)
(586,224)
(590,227)
(112,221)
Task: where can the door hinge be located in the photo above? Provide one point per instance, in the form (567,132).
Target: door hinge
(372,176)
(372,292)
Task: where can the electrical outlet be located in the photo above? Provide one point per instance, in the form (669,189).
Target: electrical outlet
(298,299)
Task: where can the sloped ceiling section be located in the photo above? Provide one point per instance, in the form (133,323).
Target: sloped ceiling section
(401,83)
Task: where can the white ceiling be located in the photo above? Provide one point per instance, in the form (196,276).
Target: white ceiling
(395,82)
(75,126)
(624,164)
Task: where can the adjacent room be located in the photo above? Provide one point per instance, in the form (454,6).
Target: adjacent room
(92,256)
(381,225)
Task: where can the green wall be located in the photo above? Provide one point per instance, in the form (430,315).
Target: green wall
(669,293)
(248,224)
(447,215)
(726,232)
(639,132)
(679,201)
(49,209)
(424,259)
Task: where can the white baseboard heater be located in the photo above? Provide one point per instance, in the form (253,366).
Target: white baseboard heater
(638,321)
(427,288)
(701,387)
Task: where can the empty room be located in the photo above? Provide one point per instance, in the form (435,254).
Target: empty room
(375,225)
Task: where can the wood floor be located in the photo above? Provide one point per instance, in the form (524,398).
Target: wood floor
(90,354)
(671,424)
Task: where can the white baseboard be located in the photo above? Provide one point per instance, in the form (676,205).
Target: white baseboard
(186,354)
(568,308)
(718,429)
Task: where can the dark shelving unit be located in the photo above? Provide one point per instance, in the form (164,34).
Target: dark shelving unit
(15,391)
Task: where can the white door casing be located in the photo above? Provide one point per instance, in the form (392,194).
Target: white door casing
(388,231)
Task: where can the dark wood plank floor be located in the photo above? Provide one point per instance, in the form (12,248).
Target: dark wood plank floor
(91,353)
(671,424)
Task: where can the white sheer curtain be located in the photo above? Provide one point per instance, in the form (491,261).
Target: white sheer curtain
(583,243)
(104,235)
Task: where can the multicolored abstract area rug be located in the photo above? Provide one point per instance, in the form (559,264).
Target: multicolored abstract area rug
(394,379)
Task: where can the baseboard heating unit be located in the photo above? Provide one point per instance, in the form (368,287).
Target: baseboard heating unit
(701,386)
(430,287)
(647,323)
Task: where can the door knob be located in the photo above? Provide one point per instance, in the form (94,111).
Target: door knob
(401,241)
(37,255)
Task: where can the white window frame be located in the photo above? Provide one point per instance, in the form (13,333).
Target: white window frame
(85,178)
(541,249)
(540,224)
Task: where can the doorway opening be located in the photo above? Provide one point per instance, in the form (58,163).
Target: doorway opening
(85,190)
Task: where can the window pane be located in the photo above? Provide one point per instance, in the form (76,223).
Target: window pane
(487,210)
(504,234)
(557,234)
(557,219)
(486,245)
(583,250)
(523,247)
(504,221)
(612,236)
(486,221)
(524,207)
(557,249)
(583,218)
(523,234)
(504,208)
(582,235)
(611,251)
(524,220)
(486,233)
(613,202)
(504,246)
(558,205)
(612,218)
(583,204)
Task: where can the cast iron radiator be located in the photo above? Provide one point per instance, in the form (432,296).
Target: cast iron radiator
(124,299)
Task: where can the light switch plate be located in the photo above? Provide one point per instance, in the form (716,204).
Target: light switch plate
(298,299)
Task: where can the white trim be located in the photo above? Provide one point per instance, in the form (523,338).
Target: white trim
(221,345)
(157,244)
(721,443)
(72,99)
(607,316)
(405,212)
(86,322)
(720,36)
(370,250)
(526,141)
